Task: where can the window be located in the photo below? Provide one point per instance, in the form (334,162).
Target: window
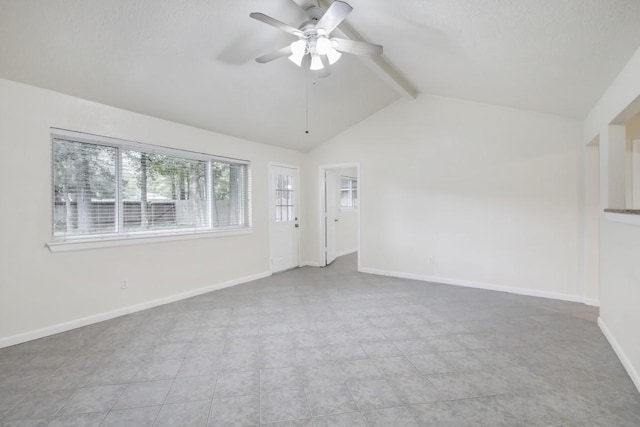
(284,198)
(633,175)
(348,193)
(104,187)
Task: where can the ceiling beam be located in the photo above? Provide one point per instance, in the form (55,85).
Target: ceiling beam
(379,65)
(304,4)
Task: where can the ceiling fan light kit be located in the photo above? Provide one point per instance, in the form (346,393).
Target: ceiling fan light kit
(314,39)
(333,56)
(298,51)
(316,63)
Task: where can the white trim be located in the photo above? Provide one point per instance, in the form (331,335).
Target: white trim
(592,302)
(635,173)
(343,253)
(630,219)
(120,240)
(84,321)
(478,285)
(631,370)
(310,264)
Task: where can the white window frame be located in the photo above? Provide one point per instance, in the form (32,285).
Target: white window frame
(353,185)
(122,237)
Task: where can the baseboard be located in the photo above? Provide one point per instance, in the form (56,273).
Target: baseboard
(310,264)
(631,370)
(317,264)
(592,302)
(84,321)
(477,285)
(343,253)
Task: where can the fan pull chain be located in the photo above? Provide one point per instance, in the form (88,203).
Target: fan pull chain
(313,82)
(306,85)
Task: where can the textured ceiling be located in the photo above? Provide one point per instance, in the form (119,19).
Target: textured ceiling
(192,61)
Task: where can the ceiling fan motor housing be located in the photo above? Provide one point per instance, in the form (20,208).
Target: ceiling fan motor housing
(314,13)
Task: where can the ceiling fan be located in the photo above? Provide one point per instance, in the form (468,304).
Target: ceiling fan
(315,48)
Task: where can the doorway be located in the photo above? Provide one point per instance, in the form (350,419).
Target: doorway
(284,231)
(339,225)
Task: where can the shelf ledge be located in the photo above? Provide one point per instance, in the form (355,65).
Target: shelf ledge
(625,216)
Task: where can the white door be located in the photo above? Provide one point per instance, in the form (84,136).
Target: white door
(331,213)
(284,225)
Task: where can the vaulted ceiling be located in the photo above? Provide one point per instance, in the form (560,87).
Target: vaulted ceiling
(193,61)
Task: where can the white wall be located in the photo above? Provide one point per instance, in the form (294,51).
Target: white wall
(619,242)
(591,224)
(39,289)
(347,226)
(490,193)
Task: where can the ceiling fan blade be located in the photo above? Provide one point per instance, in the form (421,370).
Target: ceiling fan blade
(357,48)
(274,22)
(334,16)
(326,71)
(285,51)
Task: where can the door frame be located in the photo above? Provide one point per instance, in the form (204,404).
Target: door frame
(322,243)
(270,210)
(635,174)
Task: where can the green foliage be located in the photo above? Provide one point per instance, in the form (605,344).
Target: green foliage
(89,166)
(173,178)
(221,188)
(85,181)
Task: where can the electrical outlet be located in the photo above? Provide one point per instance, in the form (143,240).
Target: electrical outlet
(124,284)
(430,260)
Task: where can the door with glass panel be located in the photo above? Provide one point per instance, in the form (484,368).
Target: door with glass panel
(284,225)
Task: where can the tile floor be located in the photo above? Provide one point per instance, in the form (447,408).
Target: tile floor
(326,347)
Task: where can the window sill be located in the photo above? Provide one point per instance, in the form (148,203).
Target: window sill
(626,216)
(108,242)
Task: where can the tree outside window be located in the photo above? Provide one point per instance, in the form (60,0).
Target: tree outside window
(104,189)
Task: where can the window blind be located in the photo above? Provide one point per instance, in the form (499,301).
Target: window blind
(109,187)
